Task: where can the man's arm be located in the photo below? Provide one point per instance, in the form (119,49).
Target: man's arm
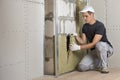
(96,39)
(81,40)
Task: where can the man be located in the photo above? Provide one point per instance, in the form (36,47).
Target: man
(99,47)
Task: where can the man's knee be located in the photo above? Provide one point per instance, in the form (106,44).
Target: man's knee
(83,67)
(101,46)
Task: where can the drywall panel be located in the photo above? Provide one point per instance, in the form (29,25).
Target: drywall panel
(21,39)
(12,57)
(35,52)
(12,40)
(34,26)
(113,27)
(100,9)
(113,16)
(109,10)
(13,52)
(34,9)
(13,71)
(12,15)
(113,37)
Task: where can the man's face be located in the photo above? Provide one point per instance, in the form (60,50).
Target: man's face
(87,17)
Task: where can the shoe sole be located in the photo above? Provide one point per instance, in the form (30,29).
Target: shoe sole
(105,72)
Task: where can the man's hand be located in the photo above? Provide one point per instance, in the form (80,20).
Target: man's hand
(74,47)
(74,34)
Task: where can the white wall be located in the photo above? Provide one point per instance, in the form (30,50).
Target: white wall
(108,12)
(21,39)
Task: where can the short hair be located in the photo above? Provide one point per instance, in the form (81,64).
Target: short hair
(90,12)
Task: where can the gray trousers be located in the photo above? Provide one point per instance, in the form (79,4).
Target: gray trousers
(96,58)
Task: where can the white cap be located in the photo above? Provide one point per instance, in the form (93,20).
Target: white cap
(87,8)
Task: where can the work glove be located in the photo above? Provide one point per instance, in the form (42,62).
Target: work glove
(74,47)
(74,34)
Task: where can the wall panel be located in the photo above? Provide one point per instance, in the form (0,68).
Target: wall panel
(21,39)
(110,17)
(100,9)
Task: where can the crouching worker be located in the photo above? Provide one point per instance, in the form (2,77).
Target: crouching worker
(99,47)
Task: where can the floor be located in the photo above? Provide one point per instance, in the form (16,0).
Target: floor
(114,74)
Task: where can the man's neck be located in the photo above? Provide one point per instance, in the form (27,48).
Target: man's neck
(92,21)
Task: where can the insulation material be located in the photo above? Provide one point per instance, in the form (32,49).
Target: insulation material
(79,20)
(67,59)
